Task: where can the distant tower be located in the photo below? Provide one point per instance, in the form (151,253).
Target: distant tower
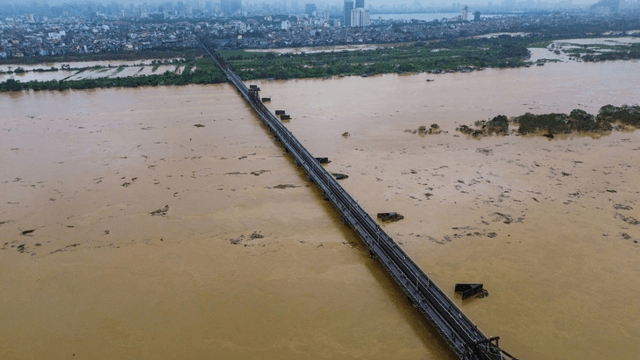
(465,13)
(360,4)
(348,6)
(476,16)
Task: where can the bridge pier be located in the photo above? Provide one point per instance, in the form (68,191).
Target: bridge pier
(457,330)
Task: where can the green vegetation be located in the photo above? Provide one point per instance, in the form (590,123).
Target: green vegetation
(578,121)
(541,44)
(499,125)
(46,70)
(123,55)
(625,115)
(605,53)
(599,51)
(451,55)
(241,54)
(206,73)
(463,55)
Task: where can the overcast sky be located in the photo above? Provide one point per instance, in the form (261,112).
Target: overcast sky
(373,2)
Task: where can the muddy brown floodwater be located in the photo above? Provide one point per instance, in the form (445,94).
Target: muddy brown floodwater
(157,239)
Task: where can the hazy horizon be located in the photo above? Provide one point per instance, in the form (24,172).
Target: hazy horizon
(433,3)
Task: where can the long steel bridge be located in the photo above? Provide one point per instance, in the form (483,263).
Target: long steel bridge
(462,335)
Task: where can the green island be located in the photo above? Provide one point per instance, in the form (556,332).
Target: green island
(591,53)
(456,55)
(609,118)
(437,56)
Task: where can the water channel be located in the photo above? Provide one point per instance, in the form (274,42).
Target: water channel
(156,239)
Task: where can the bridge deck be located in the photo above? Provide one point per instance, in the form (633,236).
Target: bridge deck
(462,335)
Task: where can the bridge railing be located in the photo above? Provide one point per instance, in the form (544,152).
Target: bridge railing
(462,335)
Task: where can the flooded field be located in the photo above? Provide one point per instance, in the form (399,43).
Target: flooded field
(128,231)
(79,64)
(86,70)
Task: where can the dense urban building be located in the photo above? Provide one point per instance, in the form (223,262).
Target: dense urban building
(144,27)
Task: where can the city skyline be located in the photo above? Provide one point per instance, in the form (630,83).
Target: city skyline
(423,3)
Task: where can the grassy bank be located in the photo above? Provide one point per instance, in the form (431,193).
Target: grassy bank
(452,55)
(440,56)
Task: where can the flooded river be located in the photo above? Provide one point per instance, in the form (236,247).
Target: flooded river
(130,232)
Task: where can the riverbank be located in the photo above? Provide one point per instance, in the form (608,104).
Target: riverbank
(156,238)
(462,55)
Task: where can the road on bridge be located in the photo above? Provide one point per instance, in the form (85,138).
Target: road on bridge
(462,335)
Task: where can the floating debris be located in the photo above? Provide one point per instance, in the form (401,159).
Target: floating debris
(260,172)
(160,212)
(285,186)
(615,206)
(468,290)
(390,216)
(434,129)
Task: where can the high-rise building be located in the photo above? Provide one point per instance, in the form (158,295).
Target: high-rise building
(476,16)
(360,17)
(348,6)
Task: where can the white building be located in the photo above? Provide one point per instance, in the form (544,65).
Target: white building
(360,17)
(57,35)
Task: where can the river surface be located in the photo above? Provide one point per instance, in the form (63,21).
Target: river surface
(154,238)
